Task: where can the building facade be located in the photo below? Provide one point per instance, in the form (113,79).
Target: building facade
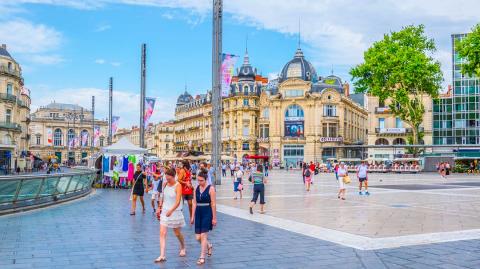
(163,139)
(384,128)
(66,132)
(240,114)
(304,117)
(457,115)
(14,113)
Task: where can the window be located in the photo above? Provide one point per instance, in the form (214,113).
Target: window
(381,123)
(381,103)
(398,123)
(329,111)
(381,141)
(167,146)
(246,131)
(70,136)
(245,102)
(399,141)
(332,130)
(57,137)
(7,139)
(266,113)
(264,131)
(9,89)
(8,116)
(294,111)
(10,67)
(245,89)
(38,139)
(293,93)
(101,141)
(245,146)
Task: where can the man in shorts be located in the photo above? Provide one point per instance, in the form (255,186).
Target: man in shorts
(362,175)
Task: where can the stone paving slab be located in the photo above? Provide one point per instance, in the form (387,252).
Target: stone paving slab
(97,232)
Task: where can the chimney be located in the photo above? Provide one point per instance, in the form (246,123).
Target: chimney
(4,46)
(346,88)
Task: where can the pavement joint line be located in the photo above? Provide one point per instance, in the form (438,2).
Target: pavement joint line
(348,239)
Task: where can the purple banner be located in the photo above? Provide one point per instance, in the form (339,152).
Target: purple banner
(115,120)
(149,106)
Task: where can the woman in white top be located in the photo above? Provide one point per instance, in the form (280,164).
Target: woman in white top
(237,182)
(341,172)
(171,216)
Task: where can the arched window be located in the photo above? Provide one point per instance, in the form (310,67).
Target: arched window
(245,89)
(10,67)
(57,137)
(70,136)
(84,138)
(266,113)
(294,111)
(381,141)
(399,141)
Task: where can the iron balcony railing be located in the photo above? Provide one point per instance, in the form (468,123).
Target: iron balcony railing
(8,97)
(11,126)
(10,71)
(21,191)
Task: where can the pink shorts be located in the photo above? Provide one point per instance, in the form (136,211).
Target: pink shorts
(308,179)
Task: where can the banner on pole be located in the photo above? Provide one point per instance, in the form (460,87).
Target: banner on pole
(84,139)
(228,64)
(115,120)
(96,136)
(49,137)
(149,106)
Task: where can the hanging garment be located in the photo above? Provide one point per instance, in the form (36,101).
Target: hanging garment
(130,171)
(132,159)
(125,164)
(112,162)
(106,164)
(118,164)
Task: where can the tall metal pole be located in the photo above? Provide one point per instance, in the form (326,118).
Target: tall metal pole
(93,124)
(142,95)
(110,107)
(216,90)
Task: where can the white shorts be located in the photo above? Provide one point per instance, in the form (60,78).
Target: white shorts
(341,185)
(155,195)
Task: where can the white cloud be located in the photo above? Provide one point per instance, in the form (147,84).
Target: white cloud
(99,61)
(125,103)
(115,64)
(46,59)
(25,37)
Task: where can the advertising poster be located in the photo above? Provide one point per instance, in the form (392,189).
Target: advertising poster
(115,120)
(228,64)
(96,136)
(294,128)
(49,137)
(149,106)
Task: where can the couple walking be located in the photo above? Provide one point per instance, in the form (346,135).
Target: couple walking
(170,214)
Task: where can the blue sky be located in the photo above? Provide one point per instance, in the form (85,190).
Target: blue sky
(68,49)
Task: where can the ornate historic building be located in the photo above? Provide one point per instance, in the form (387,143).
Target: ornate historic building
(304,117)
(162,139)
(240,113)
(14,112)
(386,129)
(64,131)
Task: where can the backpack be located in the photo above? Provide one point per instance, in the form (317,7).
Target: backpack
(307,173)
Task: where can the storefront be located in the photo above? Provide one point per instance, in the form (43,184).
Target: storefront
(292,155)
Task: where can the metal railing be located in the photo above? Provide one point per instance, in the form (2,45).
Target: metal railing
(11,125)
(8,97)
(22,192)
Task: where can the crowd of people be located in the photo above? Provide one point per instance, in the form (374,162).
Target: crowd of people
(173,185)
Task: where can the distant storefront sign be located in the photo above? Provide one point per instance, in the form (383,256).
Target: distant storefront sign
(392,130)
(331,139)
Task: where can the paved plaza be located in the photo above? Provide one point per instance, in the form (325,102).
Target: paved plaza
(409,221)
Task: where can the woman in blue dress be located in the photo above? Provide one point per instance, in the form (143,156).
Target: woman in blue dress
(204,214)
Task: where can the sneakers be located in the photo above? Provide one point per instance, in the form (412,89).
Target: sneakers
(360,193)
(367,193)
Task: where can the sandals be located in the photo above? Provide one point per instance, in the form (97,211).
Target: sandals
(210,250)
(200,261)
(132,213)
(182,253)
(160,259)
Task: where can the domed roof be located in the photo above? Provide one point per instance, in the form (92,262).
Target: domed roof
(184,98)
(4,52)
(298,67)
(246,70)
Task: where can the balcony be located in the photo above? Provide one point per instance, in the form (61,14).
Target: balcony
(8,97)
(4,70)
(382,110)
(11,126)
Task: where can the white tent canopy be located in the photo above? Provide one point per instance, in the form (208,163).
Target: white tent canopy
(123,146)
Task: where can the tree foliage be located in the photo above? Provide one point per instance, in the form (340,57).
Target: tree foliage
(469,49)
(400,67)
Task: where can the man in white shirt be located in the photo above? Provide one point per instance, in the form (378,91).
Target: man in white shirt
(362,175)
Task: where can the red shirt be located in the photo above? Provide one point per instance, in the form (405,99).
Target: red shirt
(186,188)
(312,167)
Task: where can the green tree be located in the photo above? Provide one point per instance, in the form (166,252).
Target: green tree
(400,67)
(469,49)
